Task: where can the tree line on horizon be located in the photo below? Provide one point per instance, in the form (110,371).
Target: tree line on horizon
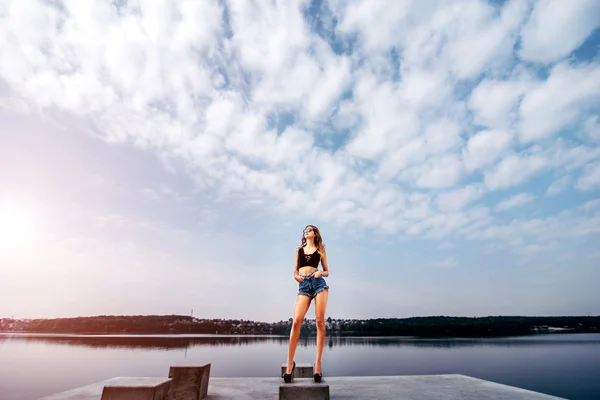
(433,326)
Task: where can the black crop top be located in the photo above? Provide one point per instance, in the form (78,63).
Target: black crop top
(308,260)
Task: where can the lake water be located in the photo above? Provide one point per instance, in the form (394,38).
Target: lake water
(32,366)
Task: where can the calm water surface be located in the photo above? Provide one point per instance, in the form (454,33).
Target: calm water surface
(32,366)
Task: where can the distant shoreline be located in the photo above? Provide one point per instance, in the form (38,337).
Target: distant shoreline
(143,334)
(436,326)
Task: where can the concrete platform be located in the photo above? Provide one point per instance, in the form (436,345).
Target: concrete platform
(422,387)
(304,389)
(302,370)
(409,387)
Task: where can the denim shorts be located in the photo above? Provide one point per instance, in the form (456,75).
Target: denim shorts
(311,286)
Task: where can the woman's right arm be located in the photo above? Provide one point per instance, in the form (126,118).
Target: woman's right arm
(297,277)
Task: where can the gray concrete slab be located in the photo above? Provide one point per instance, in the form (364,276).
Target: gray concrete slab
(427,387)
(139,391)
(94,391)
(409,387)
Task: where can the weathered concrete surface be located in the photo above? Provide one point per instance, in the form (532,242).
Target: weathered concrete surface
(190,382)
(426,387)
(133,390)
(409,387)
(422,387)
(94,391)
(302,370)
(304,389)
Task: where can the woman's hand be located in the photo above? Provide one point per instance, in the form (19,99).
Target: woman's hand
(298,278)
(318,274)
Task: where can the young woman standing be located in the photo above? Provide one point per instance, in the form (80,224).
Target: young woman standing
(311,285)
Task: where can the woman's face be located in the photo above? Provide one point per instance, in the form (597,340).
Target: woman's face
(309,232)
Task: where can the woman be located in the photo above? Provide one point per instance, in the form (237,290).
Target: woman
(311,285)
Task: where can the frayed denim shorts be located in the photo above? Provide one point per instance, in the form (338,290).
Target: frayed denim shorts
(311,286)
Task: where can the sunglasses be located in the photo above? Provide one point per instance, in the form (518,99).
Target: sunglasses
(308,230)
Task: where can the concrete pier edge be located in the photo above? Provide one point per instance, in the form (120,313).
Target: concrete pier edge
(422,387)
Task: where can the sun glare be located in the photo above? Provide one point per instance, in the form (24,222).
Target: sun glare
(17,229)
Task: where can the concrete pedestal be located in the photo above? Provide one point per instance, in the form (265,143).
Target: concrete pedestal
(302,370)
(190,382)
(304,389)
(139,389)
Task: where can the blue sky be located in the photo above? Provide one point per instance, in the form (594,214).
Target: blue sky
(158,157)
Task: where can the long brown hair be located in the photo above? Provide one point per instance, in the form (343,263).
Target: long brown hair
(318,240)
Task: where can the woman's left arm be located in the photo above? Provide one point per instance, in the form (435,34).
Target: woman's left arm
(324,264)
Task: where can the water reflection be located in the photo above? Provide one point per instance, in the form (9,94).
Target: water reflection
(145,341)
(168,342)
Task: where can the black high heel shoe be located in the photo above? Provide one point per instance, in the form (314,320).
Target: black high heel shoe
(317,377)
(287,378)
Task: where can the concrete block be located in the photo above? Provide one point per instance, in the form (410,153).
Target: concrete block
(190,382)
(304,389)
(139,389)
(302,370)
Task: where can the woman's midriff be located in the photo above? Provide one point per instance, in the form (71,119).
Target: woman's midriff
(306,270)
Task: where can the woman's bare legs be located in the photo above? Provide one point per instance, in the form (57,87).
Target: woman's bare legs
(320,306)
(300,309)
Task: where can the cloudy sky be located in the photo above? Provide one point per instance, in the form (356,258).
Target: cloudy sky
(163,156)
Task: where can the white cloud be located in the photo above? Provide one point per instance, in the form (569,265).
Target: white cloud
(542,230)
(525,236)
(590,178)
(591,127)
(177,81)
(381,25)
(457,199)
(517,200)
(592,205)
(446,246)
(486,147)
(555,30)
(514,170)
(388,121)
(439,172)
(448,262)
(437,140)
(484,40)
(494,102)
(151,194)
(425,87)
(559,185)
(291,68)
(436,226)
(560,101)
(442,136)
(569,155)
(466,38)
